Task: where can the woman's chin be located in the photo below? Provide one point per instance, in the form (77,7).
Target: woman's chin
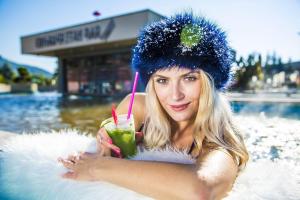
(179,117)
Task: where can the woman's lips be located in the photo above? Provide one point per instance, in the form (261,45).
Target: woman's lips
(179,107)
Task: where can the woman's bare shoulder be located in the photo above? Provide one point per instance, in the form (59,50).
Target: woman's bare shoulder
(219,162)
(140,98)
(218,170)
(139,101)
(138,109)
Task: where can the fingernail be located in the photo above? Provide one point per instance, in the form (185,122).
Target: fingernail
(109,140)
(118,150)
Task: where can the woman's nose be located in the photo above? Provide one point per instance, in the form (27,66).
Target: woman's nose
(177,93)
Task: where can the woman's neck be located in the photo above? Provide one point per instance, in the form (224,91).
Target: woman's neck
(182,135)
(181,129)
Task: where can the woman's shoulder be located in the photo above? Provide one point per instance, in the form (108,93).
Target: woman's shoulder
(139,100)
(217,153)
(138,109)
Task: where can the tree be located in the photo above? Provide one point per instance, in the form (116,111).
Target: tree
(41,80)
(2,79)
(55,75)
(240,62)
(24,75)
(7,73)
(245,72)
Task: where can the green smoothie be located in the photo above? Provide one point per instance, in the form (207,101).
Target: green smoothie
(123,135)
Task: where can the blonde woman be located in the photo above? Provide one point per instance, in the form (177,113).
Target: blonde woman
(184,62)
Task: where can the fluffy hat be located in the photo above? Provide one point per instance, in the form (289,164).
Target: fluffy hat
(187,41)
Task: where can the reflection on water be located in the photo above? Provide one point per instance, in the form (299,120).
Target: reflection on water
(45,111)
(271,109)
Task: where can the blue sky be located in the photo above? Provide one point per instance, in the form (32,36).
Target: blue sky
(264,26)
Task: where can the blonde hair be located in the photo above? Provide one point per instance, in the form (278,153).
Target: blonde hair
(213,125)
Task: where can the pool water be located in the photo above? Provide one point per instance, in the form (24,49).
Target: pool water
(44,111)
(270,109)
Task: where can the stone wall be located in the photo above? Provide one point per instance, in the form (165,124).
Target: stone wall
(24,87)
(5,88)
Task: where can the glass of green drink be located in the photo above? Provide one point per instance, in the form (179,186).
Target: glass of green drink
(122,134)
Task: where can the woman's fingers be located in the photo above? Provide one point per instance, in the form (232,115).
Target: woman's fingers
(70,175)
(72,158)
(86,155)
(103,135)
(105,144)
(102,139)
(68,164)
(112,147)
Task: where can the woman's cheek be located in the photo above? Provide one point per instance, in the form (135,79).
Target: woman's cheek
(161,92)
(193,91)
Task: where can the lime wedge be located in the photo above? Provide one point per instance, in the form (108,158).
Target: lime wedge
(106,122)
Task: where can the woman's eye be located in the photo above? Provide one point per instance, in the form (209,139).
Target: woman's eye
(161,81)
(190,78)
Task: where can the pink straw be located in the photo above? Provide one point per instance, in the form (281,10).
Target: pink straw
(132,95)
(114,114)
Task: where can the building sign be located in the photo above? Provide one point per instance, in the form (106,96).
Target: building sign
(80,34)
(120,28)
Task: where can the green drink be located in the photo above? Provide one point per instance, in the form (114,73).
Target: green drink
(122,134)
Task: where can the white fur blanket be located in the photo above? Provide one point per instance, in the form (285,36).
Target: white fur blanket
(29,170)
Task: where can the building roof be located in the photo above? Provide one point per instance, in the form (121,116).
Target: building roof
(117,32)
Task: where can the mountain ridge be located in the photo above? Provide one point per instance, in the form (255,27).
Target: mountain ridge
(31,69)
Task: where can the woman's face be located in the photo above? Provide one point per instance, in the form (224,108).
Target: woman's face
(178,91)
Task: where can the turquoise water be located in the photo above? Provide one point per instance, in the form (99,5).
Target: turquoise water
(274,109)
(44,111)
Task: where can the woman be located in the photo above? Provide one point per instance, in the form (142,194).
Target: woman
(184,61)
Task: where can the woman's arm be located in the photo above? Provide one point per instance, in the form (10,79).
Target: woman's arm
(159,180)
(210,179)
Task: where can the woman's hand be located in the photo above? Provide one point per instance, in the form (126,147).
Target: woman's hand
(105,144)
(104,147)
(82,167)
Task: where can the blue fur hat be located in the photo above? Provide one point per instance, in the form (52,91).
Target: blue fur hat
(187,41)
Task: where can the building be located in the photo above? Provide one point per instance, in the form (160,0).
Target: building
(93,58)
(283,75)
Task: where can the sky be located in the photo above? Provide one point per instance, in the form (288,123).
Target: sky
(261,26)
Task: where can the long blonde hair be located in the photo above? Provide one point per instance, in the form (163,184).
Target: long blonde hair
(214,126)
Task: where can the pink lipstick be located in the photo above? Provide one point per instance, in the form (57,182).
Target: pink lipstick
(179,107)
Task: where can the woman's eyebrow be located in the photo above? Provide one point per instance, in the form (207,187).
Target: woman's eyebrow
(193,72)
(161,76)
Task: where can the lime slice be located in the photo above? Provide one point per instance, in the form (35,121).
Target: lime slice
(127,138)
(106,122)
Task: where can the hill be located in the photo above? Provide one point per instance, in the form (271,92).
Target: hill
(32,69)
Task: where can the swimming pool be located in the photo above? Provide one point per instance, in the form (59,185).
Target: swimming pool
(270,109)
(44,111)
